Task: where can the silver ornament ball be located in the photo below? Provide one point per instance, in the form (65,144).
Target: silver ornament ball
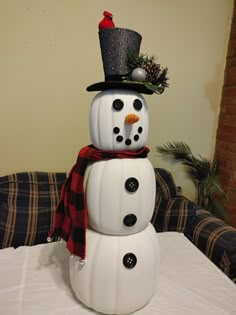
(138,74)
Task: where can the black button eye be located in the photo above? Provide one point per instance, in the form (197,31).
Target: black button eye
(137,104)
(118,104)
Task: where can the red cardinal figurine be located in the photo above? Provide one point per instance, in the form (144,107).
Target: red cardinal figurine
(106,22)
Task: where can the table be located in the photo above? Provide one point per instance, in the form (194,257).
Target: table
(35,280)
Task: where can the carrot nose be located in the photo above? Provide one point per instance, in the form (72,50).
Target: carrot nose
(131,119)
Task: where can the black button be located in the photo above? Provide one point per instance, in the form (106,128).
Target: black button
(138,104)
(118,104)
(119,138)
(130,219)
(140,129)
(129,260)
(131,184)
(116,130)
(128,142)
(136,137)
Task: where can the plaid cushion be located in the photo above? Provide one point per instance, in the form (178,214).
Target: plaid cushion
(216,240)
(174,214)
(165,185)
(27,204)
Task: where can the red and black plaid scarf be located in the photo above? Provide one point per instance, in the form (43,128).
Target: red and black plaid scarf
(70,220)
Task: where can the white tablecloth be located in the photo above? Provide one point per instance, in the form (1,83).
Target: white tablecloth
(35,281)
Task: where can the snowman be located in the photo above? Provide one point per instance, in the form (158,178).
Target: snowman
(108,201)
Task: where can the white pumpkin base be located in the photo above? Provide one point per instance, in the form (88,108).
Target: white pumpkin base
(104,284)
(108,202)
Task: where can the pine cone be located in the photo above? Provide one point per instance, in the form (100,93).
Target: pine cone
(152,70)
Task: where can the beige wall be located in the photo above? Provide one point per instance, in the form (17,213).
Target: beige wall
(49,54)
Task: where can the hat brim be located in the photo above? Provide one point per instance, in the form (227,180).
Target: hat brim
(140,87)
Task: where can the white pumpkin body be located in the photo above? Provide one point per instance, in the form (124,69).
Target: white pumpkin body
(114,209)
(108,130)
(105,283)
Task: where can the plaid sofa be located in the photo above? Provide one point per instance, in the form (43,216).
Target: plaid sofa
(28,201)
(27,204)
(216,240)
(213,237)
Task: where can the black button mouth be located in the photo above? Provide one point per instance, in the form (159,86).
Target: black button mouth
(128,141)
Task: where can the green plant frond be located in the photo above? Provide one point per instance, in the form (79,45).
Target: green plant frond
(203,174)
(211,186)
(192,173)
(204,161)
(214,167)
(181,152)
(197,168)
(134,60)
(175,149)
(203,168)
(162,78)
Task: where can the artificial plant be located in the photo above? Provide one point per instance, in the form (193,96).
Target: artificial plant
(203,173)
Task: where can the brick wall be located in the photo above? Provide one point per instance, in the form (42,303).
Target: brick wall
(225,150)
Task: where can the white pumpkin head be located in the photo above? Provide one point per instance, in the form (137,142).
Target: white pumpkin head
(119,120)
(120,273)
(120,195)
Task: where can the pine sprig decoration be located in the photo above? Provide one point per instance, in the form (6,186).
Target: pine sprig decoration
(155,75)
(203,174)
(134,60)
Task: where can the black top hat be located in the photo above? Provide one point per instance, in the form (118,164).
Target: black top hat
(116,44)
